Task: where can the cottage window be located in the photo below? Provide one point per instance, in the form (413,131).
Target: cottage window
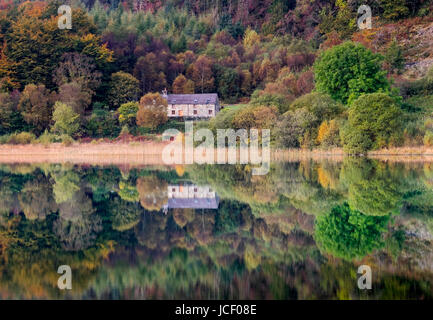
(210,111)
(173,111)
(195,111)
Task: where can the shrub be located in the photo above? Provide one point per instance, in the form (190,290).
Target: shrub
(102,123)
(21,138)
(66,140)
(292,130)
(46,138)
(428,138)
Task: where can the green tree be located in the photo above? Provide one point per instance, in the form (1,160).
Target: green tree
(394,59)
(11,119)
(66,121)
(123,88)
(128,113)
(349,234)
(348,70)
(375,121)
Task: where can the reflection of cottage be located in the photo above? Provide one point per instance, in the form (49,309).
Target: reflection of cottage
(191,196)
(192,105)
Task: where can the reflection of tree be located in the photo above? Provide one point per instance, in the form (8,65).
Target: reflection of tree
(183,216)
(153,192)
(150,230)
(66,185)
(349,234)
(77,226)
(128,192)
(36,198)
(78,235)
(373,190)
(124,215)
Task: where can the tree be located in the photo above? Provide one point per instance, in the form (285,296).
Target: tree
(394,59)
(182,85)
(348,70)
(153,192)
(78,68)
(149,70)
(124,215)
(36,107)
(11,119)
(201,73)
(394,9)
(66,121)
(229,85)
(300,125)
(73,95)
(349,234)
(152,111)
(375,121)
(123,88)
(127,114)
(251,38)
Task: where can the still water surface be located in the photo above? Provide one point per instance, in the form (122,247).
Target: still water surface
(217,232)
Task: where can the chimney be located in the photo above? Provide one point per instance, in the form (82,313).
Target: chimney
(164,93)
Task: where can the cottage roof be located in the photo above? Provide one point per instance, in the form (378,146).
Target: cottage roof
(205,98)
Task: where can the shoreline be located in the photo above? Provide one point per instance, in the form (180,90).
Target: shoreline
(149,153)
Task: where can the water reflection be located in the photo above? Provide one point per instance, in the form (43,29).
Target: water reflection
(211,232)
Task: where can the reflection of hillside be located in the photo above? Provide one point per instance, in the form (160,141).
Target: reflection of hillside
(257,240)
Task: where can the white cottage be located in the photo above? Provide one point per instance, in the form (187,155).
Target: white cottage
(204,105)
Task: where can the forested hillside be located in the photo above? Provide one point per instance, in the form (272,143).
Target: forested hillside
(301,67)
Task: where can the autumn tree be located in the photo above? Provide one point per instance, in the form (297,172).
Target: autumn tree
(182,85)
(152,111)
(201,73)
(73,95)
(36,106)
(149,70)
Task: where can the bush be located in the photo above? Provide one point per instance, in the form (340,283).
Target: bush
(292,130)
(21,138)
(375,121)
(102,123)
(46,138)
(66,140)
(271,100)
(428,138)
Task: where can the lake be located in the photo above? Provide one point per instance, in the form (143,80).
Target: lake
(218,232)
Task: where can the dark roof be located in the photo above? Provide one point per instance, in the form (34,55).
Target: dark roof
(204,98)
(193,203)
